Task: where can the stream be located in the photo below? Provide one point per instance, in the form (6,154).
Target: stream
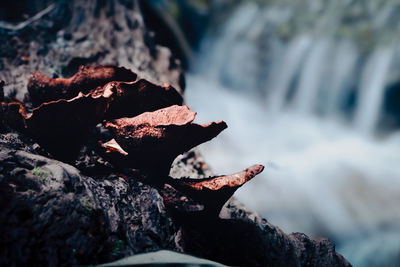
(313,109)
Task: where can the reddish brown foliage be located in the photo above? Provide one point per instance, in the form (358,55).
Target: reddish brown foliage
(133,98)
(44,89)
(157,138)
(150,141)
(214,192)
(62,125)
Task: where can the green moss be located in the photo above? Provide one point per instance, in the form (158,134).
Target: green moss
(118,247)
(87,203)
(40,173)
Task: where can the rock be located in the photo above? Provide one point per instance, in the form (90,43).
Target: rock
(240,238)
(74,33)
(47,204)
(53,215)
(1,91)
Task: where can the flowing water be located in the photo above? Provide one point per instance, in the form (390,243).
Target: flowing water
(308,105)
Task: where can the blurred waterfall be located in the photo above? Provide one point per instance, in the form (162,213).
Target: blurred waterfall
(302,86)
(310,75)
(312,67)
(285,70)
(372,86)
(342,65)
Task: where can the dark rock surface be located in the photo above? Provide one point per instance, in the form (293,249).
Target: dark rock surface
(53,215)
(57,214)
(74,33)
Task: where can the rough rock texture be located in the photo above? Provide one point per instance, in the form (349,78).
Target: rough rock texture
(53,215)
(242,238)
(74,33)
(56,214)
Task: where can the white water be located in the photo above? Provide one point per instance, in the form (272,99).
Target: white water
(325,176)
(321,178)
(310,75)
(283,74)
(372,89)
(342,65)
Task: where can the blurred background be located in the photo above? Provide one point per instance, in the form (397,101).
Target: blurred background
(311,89)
